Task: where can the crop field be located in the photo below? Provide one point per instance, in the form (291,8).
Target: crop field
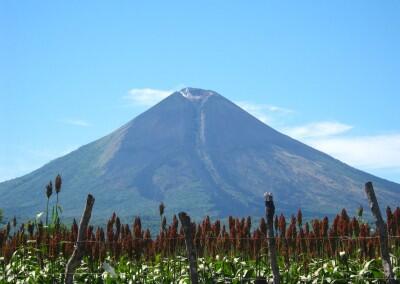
(343,250)
(200,142)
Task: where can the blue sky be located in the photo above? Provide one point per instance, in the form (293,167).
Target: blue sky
(324,72)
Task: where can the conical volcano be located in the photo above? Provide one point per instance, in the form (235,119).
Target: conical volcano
(196,151)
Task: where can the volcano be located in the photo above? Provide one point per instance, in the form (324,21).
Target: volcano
(198,152)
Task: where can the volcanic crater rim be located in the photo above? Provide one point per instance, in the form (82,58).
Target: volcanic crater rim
(195,94)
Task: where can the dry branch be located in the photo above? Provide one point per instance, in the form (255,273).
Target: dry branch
(77,255)
(187,229)
(383,234)
(269,214)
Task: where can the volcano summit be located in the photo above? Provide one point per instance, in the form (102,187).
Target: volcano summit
(196,151)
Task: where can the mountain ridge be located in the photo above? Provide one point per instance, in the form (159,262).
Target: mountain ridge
(196,151)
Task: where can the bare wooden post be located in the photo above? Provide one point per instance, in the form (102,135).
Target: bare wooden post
(269,214)
(383,234)
(77,255)
(187,229)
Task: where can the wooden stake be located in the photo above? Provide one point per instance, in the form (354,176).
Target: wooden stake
(77,255)
(383,234)
(187,229)
(269,214)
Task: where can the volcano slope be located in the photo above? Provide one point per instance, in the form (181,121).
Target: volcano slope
(198,152)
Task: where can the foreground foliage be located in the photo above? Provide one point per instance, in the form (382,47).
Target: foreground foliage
(24,267)
(317,238)
(345,250)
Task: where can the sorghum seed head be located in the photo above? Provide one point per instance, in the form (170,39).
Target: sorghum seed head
(161,208)
(49,189)
(58,183)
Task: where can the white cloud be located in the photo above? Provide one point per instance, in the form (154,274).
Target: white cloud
(146,97)
(263,112)
(317,129)
(368,152)
(77,122)
(379,154)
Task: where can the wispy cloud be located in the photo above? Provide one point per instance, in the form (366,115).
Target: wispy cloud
(369,152)
(264,112)
(379,154)
(317,129)
(77,122)
(146,97)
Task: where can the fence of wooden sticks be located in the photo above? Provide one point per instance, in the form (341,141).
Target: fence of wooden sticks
(184,247)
